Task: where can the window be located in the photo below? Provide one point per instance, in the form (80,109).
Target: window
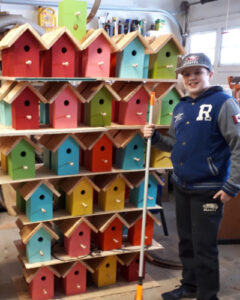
(230,48)
(204,42)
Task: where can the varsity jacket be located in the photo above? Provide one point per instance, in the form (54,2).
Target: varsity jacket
(204,141)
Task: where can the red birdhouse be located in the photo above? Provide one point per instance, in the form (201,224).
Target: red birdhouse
(59,59)
(94,59)
(20,49)
(41,282)
(109,234)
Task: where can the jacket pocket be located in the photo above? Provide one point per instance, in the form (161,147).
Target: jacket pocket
(213,169)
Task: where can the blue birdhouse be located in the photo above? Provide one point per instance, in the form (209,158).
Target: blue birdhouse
(130,150)
(39,200)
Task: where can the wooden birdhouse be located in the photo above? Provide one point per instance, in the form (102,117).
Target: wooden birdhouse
(98,154)
(60,58)
(18,156)
(5,108)
(61,153)
(164,56)
(20,50)
(134,221)
(41,282)
(74,276)
(39,200)
(73,15)
(160,159)
(79,195)
(63,100)
(94,59)
(132,109)
(130,266)
(105,270)
(109,228)
(77,235)
(137,193)
(130,55)
(129,154)
(98,107)
(112,194)
(22,101)
(37,238)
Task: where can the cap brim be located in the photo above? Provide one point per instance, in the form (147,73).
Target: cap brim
(180,69)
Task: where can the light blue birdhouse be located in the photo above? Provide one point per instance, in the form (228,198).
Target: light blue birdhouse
(130,150)
(145,66)
(39,200)
(5,113)
(44,113)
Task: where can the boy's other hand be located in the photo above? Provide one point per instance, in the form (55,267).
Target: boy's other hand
(224,197)
(148,131)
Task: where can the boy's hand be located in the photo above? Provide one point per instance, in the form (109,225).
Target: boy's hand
(148,131)
(224,197)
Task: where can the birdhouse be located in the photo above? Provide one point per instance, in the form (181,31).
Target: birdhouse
(94,59)
(20,203)
(98,107)
(160,159)
(5,108)
(132,109)
(130,266)
(149,40)
(73,15)
(61,153)
(63,100)
(134,221)
(18,156)
(37,238)
(60,58)
(22,100)
(20,50)
(137,193)
(77,235)
(164,56)
(98,154)
(112,194)
(74,276)
(129,154)
(41,282)
(79,195)
(105,270)
(109,235)
(130,55)
(39,199)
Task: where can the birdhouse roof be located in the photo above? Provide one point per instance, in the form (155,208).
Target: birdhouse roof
(68,226)
(136,178)
(51,37)
(102,222)
(30,187)
(15,90)
(104,182)
(7,144)
(124,137)
(127,258)
(130,89)
(51,90)
(89,140)
(132,218)
(123,42)
(89,90)
(92,35)
(162,40)
(160,93)
(64,269)
(29,274)
(6,87)
(28,231)
(69,184)
(117,38)
(53,142)
(97,263)
(14,34)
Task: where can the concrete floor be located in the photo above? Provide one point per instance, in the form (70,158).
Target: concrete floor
(166,278)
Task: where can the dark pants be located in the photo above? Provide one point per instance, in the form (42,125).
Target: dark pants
(198,219)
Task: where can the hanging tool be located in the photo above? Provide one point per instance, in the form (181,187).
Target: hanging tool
(148,152)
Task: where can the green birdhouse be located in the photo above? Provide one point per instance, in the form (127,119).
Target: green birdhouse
(73,15)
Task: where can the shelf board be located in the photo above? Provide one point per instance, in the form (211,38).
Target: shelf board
(63,214)
(61,257)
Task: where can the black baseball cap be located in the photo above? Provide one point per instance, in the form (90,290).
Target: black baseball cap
(194,60)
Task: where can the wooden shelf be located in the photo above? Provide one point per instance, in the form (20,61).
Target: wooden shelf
(60,257)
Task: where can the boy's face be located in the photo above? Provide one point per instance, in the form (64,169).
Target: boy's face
(196,80)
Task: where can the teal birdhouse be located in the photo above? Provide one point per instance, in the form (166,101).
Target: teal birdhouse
(131,55)
(39,200)
(130,150)
(98,107)
(61,153)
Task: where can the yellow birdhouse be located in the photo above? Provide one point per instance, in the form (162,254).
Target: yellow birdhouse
(160,159)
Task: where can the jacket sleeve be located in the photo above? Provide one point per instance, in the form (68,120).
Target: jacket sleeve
(162,142)
(230,129)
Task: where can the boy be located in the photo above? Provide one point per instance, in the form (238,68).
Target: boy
(204,141)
